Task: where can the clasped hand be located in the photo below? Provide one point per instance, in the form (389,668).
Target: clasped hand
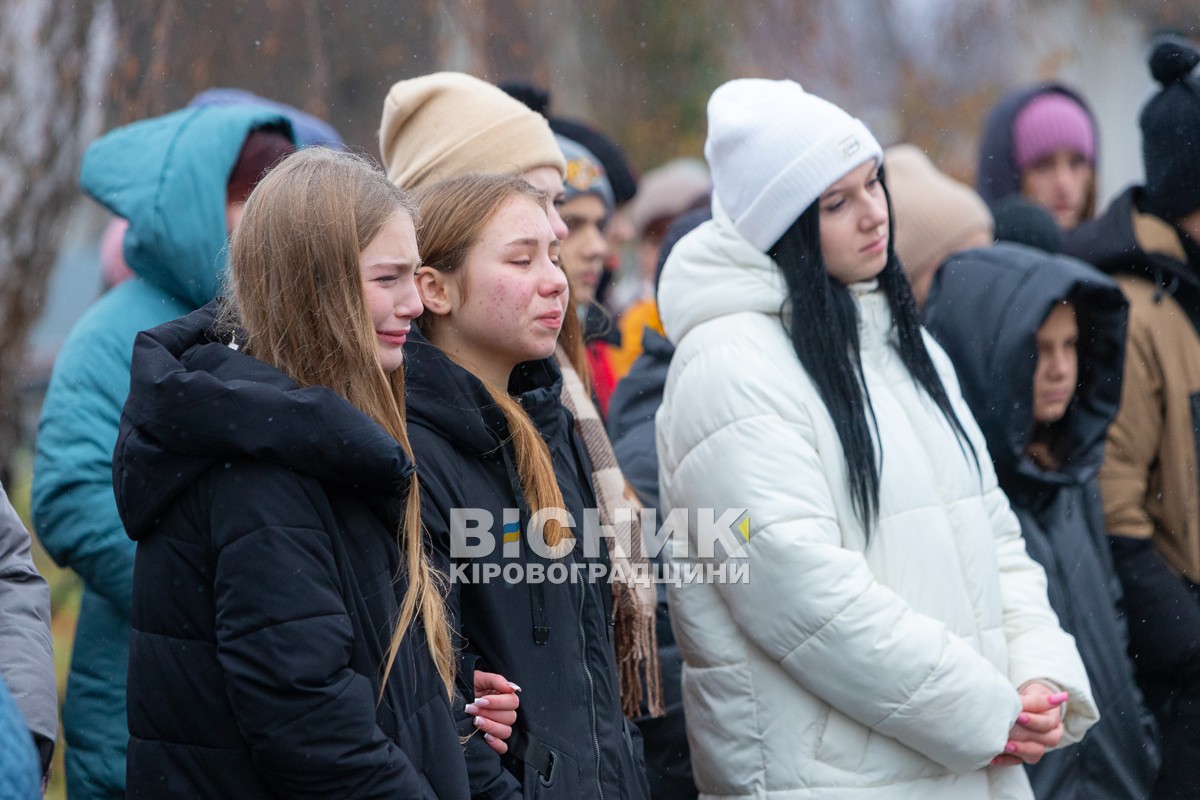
(1039,726)
(494,708)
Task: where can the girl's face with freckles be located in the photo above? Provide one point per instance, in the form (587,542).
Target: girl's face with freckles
(506,304)
(854,225)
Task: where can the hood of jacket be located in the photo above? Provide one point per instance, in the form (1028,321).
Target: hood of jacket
(1125,240)
(167,176)
(713,271)
(985,310)
(997,176)
(446,398)
(194,403)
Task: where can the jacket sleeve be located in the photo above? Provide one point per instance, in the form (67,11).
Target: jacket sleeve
(74,510)
(1038,647)
(284,642)
(488,778)
(1133,438)
(28,661)
(1162,613)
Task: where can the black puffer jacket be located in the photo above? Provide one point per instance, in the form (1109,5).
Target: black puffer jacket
(263,600)
(985,310)
(552,638)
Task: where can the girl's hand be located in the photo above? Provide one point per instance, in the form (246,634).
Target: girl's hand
(1039,726)
(494,708)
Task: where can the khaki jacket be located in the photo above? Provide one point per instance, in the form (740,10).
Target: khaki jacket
(1149,479)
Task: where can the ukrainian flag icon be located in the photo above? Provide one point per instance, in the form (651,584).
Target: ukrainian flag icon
(512,532)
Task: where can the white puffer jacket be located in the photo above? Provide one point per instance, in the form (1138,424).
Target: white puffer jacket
(841,669)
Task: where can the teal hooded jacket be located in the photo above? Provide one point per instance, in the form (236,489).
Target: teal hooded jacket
(167,176)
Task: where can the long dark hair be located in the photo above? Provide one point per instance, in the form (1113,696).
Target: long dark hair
(823,326)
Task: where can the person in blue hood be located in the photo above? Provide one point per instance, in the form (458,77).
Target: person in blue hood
(1038,343)
(180,180)
(309,130)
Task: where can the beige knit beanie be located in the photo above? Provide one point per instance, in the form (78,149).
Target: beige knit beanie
(934,215)
(448,123)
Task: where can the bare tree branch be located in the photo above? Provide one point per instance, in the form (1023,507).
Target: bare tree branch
(54,61)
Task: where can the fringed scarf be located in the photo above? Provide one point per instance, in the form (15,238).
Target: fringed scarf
(634,598)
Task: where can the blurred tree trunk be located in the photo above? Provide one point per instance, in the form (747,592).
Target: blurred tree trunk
(54,63)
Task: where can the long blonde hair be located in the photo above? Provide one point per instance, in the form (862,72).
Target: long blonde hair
(454,213)
(295,290)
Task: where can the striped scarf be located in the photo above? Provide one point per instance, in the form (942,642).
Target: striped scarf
(634,601)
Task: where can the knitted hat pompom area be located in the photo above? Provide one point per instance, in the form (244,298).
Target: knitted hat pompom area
(1170,123)
(1171,61)
(773,149)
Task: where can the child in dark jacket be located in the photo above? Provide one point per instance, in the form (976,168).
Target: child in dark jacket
(1037,341)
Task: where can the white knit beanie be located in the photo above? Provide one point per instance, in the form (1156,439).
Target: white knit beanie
(773,149)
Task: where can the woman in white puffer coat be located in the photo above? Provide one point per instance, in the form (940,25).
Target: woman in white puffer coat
(891,638)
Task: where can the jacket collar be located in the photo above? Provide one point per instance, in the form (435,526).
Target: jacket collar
(195,402)
(713,271)
(448,399)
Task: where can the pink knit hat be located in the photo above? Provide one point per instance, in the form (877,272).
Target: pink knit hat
(1050,122)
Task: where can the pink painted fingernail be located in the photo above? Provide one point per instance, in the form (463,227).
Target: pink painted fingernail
(479,722)
(489,737)
(472,709)
(1059,698)
(482,702)
(1023,719)
(1008,748)
(515,688)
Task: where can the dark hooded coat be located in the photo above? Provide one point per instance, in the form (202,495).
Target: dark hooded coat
(552,638)
(985,310)
(266,517)
(167,177)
